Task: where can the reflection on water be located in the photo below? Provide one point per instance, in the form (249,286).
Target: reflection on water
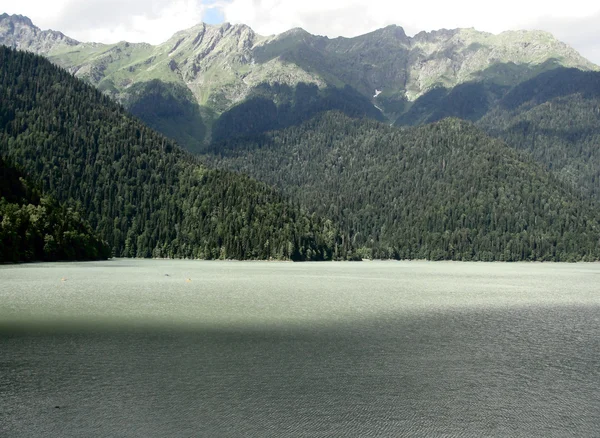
(345,350)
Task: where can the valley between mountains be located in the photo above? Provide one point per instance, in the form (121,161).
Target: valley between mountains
(224,144)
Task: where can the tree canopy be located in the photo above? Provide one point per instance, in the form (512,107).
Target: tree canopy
(139,191)
(440,191)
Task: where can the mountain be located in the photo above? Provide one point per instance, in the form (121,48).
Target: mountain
(139,191)
(36,228)
(215,76)
(468,101)
(19,32)
(554,116)
(439,191)
(403,68)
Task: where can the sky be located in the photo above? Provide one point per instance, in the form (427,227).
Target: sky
(576,22)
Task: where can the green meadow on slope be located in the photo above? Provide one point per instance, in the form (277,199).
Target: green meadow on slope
(201,75)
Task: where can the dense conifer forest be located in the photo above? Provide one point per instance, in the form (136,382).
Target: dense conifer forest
(139,191)
(555,117)
(440,191)
(358,188)
(36,227)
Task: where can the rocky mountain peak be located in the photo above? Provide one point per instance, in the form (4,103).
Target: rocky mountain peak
(19,32)
(221,65)
(296,31)
(394,31)
(17,19)
(435,35)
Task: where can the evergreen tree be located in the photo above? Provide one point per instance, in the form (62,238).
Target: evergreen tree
(139,191)
(35,227)
(440,191)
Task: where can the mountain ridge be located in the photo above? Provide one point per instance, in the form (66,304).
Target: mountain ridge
(208,82)
(18,31)
(221,65)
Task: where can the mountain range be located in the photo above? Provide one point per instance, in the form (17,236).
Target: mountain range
(452,144)
(192,85)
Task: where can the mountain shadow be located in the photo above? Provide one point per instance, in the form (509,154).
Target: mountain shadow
(170,109)
(552,84)
(468,101)
(555,117)
(279,106)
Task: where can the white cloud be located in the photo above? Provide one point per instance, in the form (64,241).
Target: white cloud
(153,25)
(154,21)
(38,11)
(354,17)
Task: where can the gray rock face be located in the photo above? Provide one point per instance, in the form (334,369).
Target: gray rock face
(222,65)
(19,32)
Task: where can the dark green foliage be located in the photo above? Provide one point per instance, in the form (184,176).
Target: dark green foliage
(556,118)
(468,101)
(441,191)
(549,85)
(393,104)
(141,193)
(423,108)
(36,228)
(169,109)
(278,106)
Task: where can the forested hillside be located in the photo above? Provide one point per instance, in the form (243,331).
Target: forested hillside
(556,118)
(139,191)
(441,191)
(36,227)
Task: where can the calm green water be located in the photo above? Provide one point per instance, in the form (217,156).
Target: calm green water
(184,349)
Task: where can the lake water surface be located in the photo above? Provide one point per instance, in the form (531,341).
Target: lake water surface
(137,348)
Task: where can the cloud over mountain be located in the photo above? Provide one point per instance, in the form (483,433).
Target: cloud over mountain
(154,21)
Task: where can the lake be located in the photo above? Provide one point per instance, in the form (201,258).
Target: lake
(137,348)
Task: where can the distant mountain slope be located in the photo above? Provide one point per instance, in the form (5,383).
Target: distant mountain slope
(141,193)
(441,191)
(223,66)
(37,228)
(404,68)
(469,101)
(556,118)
